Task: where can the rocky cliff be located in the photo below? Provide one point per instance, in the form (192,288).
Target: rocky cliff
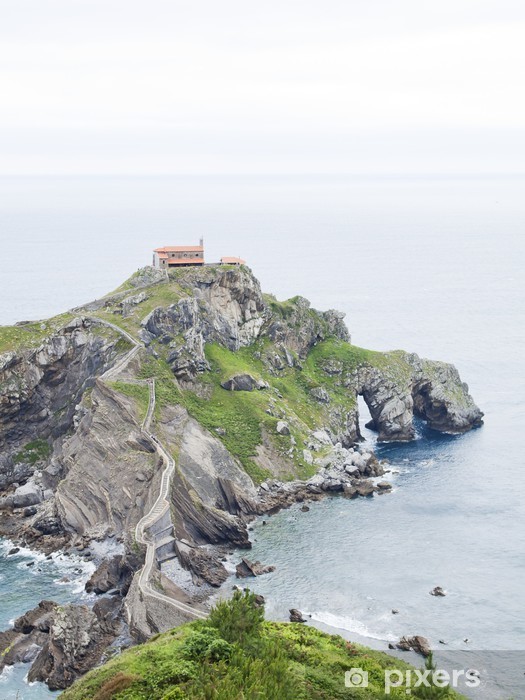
(222,403)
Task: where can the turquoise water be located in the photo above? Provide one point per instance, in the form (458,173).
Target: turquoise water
(430,265)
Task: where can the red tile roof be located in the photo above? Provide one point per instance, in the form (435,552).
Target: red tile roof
(180,248)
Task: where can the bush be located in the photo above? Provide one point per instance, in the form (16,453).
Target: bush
(239,620)
(206,644)
(115,685)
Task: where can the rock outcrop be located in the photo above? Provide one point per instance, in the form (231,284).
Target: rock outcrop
(60,643)
(94,494)
(41,387)
(243,382)
(228,387)
(296,615)
(418,388)
(75,643)
(225,307)
(418,644)
(247,568)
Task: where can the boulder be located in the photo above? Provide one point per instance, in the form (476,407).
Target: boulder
(242,382)
(320,394)
(204,565)
(322,437)
(296,615)
(75,644)
(365,488)
(438,592)
(38,618)
(115,572)
(418,644)
(350,491)
(106,577)
(248,568)
(283,428)
(307,456)
(27,495)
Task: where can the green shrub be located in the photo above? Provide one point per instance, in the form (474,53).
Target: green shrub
(35,451)
(115,685)
(238,620)
(206,643)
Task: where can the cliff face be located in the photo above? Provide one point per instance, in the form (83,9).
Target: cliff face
(192,403)
(294,373)
(40,387)
(429,390)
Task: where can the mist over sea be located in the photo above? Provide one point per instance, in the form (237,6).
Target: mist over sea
(431,265)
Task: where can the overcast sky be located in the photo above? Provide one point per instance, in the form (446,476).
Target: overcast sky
(160,86)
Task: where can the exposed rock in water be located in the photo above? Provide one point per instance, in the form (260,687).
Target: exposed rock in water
(114,573)
(77,465)
(39,618)
(248,568)
(296,615)
(61,643)
(205,566)
(365,488)
(438,592)
(418,644)
(427,389)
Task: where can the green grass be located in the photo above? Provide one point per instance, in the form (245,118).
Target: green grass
(161,294)
(33,452)
(248,418)
(30,335)
(284,309)
(138,392)
(166,390)
(235,655)
(243,415)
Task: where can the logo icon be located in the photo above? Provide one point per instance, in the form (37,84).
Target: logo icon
(356,678)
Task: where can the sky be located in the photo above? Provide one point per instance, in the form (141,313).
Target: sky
(285,86)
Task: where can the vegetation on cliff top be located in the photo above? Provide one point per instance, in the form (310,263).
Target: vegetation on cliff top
(311,392)
(236,655)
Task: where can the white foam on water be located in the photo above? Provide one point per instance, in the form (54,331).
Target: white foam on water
(350,624)
(4,675)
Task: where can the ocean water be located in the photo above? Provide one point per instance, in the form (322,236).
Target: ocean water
(26,578)
(432,265)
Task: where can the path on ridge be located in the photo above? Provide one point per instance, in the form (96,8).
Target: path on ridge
(161,504)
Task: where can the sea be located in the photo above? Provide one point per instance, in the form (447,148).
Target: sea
(430,264)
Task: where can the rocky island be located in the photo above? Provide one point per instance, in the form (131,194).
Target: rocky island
(158,421)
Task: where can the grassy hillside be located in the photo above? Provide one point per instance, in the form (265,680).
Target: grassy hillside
(236,655)
(244,421)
